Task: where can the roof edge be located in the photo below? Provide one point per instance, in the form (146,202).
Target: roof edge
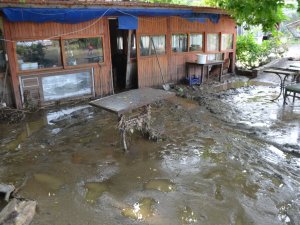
(102,3)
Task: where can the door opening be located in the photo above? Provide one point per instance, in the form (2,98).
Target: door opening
(124,67)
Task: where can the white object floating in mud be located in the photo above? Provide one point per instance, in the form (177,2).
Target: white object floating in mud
(18,212)
(7,189)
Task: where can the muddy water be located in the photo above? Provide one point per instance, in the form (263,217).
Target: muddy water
(220,163)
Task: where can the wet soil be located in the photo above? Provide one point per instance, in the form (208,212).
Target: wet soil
(227,157)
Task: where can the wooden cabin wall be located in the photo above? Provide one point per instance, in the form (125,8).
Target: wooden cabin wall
(148,67)
(173,63)
(179,25)
(38,31)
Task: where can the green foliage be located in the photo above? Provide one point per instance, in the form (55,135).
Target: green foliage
(33,53)
(267,13)
(251,54)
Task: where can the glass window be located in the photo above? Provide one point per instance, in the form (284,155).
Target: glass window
(83,50)
(67,85)
(179,42)
(146,45)
(38,54)
(196,42)
(218,56)
(213,42)
(227,41)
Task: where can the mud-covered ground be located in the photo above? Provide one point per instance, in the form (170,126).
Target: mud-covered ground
(227,157)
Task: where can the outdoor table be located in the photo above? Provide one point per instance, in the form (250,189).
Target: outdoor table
(280,72)
(203,65)
(128,101)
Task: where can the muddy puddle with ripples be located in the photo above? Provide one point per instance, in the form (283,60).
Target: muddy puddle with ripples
(226,159)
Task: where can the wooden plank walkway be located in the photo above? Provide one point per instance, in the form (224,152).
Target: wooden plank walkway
(127,101)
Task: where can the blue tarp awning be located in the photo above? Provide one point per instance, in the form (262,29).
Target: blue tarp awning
(78,15)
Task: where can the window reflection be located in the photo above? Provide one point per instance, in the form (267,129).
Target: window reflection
(196,42)
(213,42)
(146,45)
(38,54)
(83,50)
(179,43)
(227,41)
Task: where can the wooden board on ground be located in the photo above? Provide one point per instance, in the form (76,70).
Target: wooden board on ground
(130,100)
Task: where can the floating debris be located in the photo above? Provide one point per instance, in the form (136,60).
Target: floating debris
(7,189)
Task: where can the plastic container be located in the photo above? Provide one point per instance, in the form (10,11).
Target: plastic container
(201,58)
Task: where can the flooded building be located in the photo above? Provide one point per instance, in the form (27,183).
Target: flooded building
(61,50)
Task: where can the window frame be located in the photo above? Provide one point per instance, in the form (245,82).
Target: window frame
(62,53)
(66,66)
(38,69)
(150,35)
(203,41)
(229,49)
(187,42)
(206,42)
(39,76)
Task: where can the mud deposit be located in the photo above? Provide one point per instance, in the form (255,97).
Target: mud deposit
(230,157)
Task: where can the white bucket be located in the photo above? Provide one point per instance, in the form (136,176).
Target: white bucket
(201,58)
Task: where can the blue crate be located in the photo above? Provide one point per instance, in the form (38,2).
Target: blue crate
(192,80)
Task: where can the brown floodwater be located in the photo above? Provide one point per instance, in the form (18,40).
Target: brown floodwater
(222,161)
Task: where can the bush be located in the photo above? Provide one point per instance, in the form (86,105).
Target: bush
(251,54)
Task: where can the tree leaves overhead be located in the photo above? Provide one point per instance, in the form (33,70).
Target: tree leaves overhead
(267,13)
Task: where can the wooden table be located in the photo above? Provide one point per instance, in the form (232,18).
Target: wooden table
(203,65)
(281,72)
(128,101)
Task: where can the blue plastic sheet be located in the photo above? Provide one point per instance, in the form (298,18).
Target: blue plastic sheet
(128,23)
(78,15)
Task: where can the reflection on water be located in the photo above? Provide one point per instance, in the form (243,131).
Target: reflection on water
(207,171)
(187,215)
(140,210)
(163,185)
(95,190)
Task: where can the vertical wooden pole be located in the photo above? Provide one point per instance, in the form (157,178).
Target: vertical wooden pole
(12,61)
(128,67)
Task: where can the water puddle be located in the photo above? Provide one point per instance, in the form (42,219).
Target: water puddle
(211,167)
(49,182)
(140,210)
(163,185)
(239,84)
(95,190)
(187,215)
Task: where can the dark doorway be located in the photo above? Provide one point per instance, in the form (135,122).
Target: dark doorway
(124,68)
